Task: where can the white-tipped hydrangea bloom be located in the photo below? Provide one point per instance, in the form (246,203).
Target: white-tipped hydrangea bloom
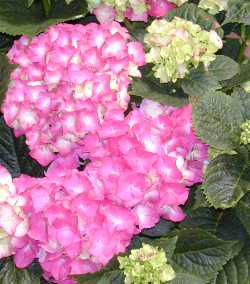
(13,222)
(177,46)
(213,6)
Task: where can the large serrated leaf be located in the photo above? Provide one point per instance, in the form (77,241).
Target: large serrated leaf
(226,181)
(244,98)
(200,254)
(217,119)
(14,154)
(237,270)
(9,274)
(184,278)
(224,224)
(163,94)
(238,12)
(16,18)
(203,218)
(200,82)
(243,211)
(107,277)
(223,68)
(199,199)
(243,76)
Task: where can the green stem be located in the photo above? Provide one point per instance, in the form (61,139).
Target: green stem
(46,7)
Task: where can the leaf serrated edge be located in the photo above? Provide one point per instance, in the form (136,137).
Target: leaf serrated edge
(211,235)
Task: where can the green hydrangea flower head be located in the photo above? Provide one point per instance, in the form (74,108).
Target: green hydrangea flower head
(245,133)
(177,46)
(213,6)
(178,2)
(146,265)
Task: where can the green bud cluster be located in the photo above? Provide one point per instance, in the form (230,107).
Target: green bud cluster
(178,2)
(146,265)
(245,133)
(177,46)
(120,6)
(213,6)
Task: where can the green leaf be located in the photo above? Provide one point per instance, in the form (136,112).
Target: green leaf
(192,13)
(224,224)
(244,98)
(17,19)
(231,48)
(199,199)
(200,254)
(217,119)
(9,274)
(223,68)
(226,181)
(137,30)
(5,69)
(203,218)
(102,277)
(238,12)
(237,270)
(162,94)
(230,228)
(200,82)
(14,154)
(242,77)
(184,278)
(243,211)
(160,229)
(167,244)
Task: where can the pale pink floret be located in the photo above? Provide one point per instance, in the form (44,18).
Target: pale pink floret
(159,8)
(13,222)
(66,82)
(104,13)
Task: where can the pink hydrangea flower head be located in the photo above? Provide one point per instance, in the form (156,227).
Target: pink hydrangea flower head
(67,80)
(139,171)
